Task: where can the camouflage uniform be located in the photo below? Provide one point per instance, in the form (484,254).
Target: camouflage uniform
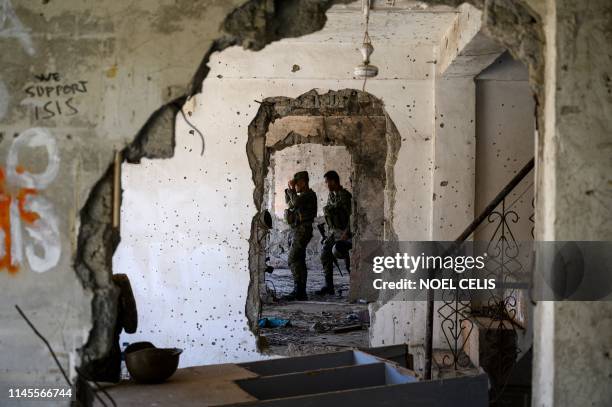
(301,212)
(337,217)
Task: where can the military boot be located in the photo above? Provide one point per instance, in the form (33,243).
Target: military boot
(301,292)
(328,288)
(292,296)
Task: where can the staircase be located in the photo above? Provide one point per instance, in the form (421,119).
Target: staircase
(488,333)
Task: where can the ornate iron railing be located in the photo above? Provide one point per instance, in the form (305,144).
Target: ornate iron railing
(501,309)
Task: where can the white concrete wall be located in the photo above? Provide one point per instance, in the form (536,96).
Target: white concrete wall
(451,209)
(506,113)
(505,142)
(505,139)
(184,246)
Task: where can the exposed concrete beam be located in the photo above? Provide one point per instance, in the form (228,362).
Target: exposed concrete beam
(395,5)
(464,50)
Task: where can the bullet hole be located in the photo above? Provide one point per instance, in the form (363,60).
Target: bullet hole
(295,68)
(443,183)
(442,125)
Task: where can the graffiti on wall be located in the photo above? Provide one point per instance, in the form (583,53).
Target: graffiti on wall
(52,96)
(11,27)
(29,230)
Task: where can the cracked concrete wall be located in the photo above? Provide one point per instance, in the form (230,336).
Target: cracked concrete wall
(256,71)
(566,47)
(448,175)
(464,51)
(567,41)
(274,70)
(207,245)
(238,81)
(574,197)
(79,81)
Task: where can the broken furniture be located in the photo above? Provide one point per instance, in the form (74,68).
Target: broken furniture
(350,377)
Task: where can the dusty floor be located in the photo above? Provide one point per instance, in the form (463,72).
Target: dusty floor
(280,282)
(313,322)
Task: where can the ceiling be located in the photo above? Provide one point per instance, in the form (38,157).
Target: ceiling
(404,22)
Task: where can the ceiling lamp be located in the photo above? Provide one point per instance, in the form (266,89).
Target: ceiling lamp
(365,70)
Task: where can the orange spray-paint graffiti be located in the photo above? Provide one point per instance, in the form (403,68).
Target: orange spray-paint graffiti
(23,209)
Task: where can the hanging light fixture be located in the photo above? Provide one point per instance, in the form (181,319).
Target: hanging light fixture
(365,70)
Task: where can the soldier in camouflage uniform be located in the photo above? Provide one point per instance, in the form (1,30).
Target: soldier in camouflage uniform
(300,213)
(338,219)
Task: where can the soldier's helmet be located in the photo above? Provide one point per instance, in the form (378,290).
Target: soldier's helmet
(301,175)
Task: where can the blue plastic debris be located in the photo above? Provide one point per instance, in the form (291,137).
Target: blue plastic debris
(273,322)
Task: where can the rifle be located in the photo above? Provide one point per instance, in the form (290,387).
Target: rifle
(321,227)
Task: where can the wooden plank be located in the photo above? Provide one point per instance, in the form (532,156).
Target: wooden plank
(193,386)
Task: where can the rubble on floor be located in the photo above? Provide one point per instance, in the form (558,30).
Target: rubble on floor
(312,327)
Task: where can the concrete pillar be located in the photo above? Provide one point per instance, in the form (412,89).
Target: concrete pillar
(454,153)
(573,340)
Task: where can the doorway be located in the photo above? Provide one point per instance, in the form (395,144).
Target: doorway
(346,131)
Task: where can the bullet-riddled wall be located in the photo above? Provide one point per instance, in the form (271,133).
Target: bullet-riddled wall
(79,82)
(137,56)
(222,179)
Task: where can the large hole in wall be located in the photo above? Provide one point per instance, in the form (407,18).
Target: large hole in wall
(346,131)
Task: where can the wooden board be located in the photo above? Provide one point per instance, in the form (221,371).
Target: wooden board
(194,386)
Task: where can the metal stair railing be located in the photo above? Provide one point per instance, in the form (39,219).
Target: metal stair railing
(469,230)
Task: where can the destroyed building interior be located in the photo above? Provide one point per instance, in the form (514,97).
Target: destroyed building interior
(149,150)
